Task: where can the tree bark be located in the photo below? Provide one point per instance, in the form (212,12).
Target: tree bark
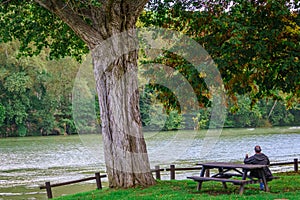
(124,146)
(115,68)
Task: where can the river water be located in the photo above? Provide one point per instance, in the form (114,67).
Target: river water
(26,163)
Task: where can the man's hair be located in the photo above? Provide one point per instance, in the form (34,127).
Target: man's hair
(257,149)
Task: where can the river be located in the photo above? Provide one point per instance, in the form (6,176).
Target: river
(26,163)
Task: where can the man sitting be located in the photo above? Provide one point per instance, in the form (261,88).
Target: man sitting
(259,159)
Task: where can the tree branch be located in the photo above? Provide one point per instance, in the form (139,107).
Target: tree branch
(72,18)
(139,5)
(107,18)
(7,1)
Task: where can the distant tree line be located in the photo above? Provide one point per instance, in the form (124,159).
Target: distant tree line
(265,113)
(36,99)
(35,94)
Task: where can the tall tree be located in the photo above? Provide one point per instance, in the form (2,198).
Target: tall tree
(39,24)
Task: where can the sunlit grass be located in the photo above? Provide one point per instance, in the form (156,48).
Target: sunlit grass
(287,187)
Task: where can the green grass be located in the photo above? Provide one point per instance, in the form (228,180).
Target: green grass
(287,187)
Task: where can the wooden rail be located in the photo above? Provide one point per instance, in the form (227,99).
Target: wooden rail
(173,169)
(295,163)
(49,186)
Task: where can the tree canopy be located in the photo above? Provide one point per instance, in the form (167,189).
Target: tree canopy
(36,28)
(254,43)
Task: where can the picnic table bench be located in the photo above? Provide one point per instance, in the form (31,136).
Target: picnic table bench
(225,174)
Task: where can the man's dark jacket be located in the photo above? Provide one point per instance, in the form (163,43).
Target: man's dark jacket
(259,159)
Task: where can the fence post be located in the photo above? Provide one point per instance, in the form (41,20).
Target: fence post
(296,164)
(98,181)
(49,191)
(207,173)
(157,172)
(172,172)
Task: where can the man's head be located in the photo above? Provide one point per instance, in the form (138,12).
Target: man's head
(257,149)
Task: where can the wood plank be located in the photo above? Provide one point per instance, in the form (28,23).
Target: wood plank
(227,175)
(226,165)
(72,182)
(198,178)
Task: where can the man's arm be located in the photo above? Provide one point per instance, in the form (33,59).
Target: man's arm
(249,160)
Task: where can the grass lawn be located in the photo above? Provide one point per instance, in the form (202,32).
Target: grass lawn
(287,187)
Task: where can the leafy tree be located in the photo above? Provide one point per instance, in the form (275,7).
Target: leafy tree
(254,43)
(2,114)
(276,113)
(60,86)
(243,115)
(174,121)
(155,116)
(72,27)
(16,88)
(48,103)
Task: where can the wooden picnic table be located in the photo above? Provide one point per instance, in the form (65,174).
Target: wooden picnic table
(227,172)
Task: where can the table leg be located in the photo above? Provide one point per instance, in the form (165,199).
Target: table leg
(224,185)
(262,174)
(199,186)
(201,175)
(244,177)
(221,172)
(244,174)
(242,187)
(202,171)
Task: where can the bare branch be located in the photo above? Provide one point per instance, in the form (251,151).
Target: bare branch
(7,1)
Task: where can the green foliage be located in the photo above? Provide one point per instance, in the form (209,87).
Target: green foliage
(36,28)
(202,119)
(174,121)
(2,114)
(155,116)
(35,93)
(256,47)
(243,115)
(280,115)
(264,113)
(254,44)
(17,83)
(145,106)
(22,130)
(18,97)
(86,107)
(15,87)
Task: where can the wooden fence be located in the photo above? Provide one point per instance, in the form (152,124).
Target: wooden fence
(48,186)
(173,170)
(157,172)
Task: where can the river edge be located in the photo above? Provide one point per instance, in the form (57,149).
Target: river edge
(67,170)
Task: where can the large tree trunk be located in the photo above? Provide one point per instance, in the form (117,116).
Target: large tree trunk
(115,68)
(116,78)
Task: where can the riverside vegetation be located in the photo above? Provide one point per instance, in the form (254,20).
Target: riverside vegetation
(36,99)
(257,54)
